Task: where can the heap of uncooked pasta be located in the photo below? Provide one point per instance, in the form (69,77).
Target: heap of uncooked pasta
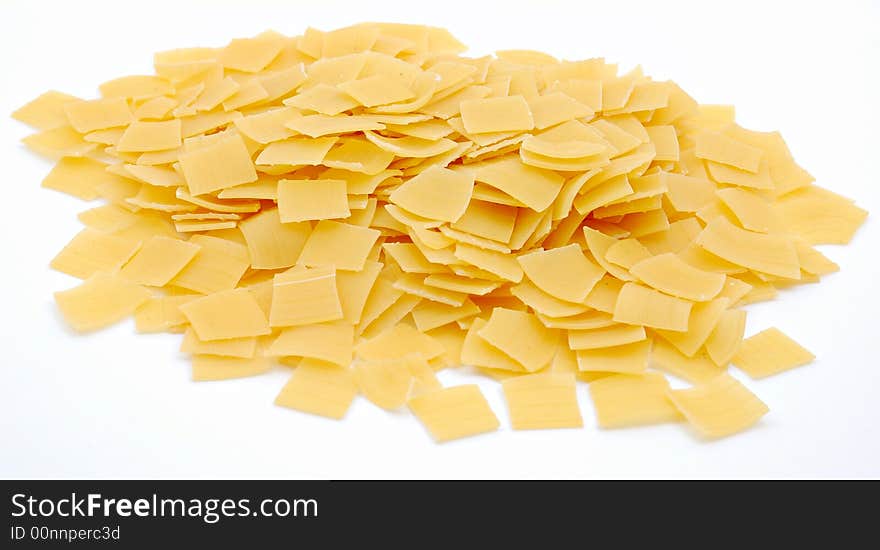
(368,206)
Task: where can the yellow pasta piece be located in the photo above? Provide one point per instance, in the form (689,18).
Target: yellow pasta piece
(478,352)
(398,342)
(159,260)
(414,283)
(305,296)
(453,413)
(771,254)
(725,339)
(665,141)
(628,358)
(226,314)
(150,136)
(316,126)
(487,220)
(625,400)
(669,274)
(243,348)
(429,315)
(249,54)
(605,337)
(91,251)
(521,336)
(703,319)
(219,265)
(46,111)
(556,107)
(377,90)
(582,321)
(272,244)
(723,173)
(436,193)
(385,382)
(627,253)
(225,162)
(353,288)
(358,155)
(719,407)
(639,305)
(689,193)
(534,187)
(97,114)
(563,272)
(496,263)
(820,216)
(544,303)
(330,342)
(725,150)
(337,244)
(161,313)
(319,388)
(751,210)
(696,369)
(496,114)
(62,141)
(101,300)
(408,257)
(304,200)
(213,367)
(542,401)
(770,352)
(296,151)
(80,177)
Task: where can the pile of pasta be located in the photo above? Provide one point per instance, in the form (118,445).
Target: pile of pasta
(368,206)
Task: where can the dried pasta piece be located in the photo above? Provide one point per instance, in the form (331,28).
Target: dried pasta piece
(296,151)
(101,300)
(478,352)
(353,288)
(398,342)
(385,382)
(150,136)
(272,244)
(97,114)
(243,348)
(639,305)
(159,260)
(720,407)
(725,150)
(563,272)
(162,313)
(770,352)
(628,358)
(534,187)
(521,336)
(226,314)
(453,413)
(341,245)
(429,315)
(496,263)
(626,400)
(219,265)
(544,303)
(319,388)
(496,114)
(605,337)
(542,401)
(91,251)
(725,339)
(305,296)
(330,342)
(80,177)
(223,163)
(214,367)
(305,200)
(436,193)
(46,111)
(696,369)
(771,254)
(669,274)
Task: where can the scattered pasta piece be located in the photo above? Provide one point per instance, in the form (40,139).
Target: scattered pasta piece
(369,206)
(720,407)
(455,412)
(770,352)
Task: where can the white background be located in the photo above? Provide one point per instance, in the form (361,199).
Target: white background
(117,404)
